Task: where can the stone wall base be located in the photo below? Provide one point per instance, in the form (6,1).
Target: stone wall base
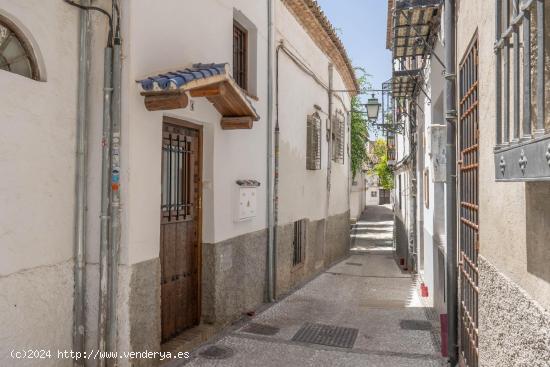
(514,329)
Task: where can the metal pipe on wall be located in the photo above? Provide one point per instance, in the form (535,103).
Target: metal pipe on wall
(79,320)
(270,185)
(329,153)
(105,207)
(451,205)
(115,212)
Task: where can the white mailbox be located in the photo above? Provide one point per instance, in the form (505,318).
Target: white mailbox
(247,191)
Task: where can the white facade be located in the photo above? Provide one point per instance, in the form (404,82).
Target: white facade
(38,157)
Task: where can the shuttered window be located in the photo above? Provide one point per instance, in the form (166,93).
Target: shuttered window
(313,150)
(338,137)
(240,55)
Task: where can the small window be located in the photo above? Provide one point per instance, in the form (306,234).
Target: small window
(299,242)
(177,174)
(313,144)
(16,55)
(240,55)
(338,137)
(374,194)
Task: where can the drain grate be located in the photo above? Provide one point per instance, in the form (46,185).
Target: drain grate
(216,352)
(415,325)
(354,264)
(332,336)
(260,329)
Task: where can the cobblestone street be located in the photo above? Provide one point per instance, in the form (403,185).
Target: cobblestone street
(365,292)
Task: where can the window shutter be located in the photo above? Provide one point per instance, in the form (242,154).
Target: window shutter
(338,136)
(313,146)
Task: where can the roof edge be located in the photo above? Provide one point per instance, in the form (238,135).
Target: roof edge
(340,57)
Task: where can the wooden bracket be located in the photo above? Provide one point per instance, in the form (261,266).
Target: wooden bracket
(172,101)
(210,91)
(235,123)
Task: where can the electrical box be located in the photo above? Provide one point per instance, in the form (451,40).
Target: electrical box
(437,146)
(247,200)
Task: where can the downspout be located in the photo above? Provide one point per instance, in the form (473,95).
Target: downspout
(115,190)
(329,155)
(79,321)
(270,186)
(451,207)
(105,207)
(413,195)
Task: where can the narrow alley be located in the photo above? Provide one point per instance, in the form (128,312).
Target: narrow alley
(363,311)
(274,183)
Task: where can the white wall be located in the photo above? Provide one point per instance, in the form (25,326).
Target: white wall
(302,192)
(37,161)
(358,198)
(228,155)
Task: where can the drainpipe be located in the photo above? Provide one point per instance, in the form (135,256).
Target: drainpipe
(270,188)
(115,213)
(79,321)
(105,207)
(329,155)
(451,207)
(414,189)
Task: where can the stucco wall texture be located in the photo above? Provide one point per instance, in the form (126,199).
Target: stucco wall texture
(514,290)
(36,308)
(515,330)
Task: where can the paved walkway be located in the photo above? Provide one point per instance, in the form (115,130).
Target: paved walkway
(366,292)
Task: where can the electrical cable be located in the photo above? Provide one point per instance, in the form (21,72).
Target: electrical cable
(102,11)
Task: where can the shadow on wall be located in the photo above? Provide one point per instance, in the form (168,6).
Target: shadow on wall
(538,229)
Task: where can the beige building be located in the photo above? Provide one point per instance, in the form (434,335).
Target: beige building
(498,99)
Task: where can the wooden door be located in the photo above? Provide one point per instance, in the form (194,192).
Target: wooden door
(180,227)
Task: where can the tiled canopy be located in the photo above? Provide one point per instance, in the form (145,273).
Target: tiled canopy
(413,26)
(169,91)
(404,83)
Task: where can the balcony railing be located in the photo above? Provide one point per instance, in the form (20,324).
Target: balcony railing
(522,152)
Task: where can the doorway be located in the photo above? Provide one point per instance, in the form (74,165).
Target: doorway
(180,226)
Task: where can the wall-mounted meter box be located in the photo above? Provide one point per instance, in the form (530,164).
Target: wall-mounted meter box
(247,199)
(437,150)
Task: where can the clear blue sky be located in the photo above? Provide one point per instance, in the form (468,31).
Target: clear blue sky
(361,25)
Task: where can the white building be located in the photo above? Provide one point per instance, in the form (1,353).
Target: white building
(194,243)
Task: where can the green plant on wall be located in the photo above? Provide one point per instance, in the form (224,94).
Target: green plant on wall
(359,131)
(381,168)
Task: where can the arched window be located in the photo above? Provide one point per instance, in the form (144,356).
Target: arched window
(16,54)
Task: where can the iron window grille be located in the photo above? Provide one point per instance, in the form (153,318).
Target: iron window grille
(240,55)
(177,172)
(16,54)
(299,242)
(469,206)
(338,137)
(313,144)
(522,80)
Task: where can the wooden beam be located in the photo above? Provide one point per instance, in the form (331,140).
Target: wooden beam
(209,91)
(235,123)
(161,102)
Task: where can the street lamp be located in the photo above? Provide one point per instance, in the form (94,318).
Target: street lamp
(373,107)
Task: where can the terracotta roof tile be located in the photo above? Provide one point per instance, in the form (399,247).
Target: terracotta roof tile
(310,15)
